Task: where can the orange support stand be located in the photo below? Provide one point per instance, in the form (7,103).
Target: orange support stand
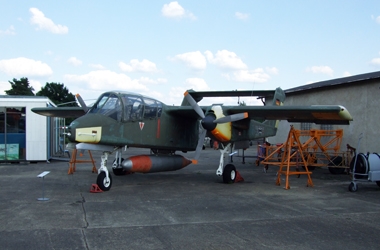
(291,154)
(308,155)
(74,160)
(293,148)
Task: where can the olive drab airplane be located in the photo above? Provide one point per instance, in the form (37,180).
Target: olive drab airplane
(119,120)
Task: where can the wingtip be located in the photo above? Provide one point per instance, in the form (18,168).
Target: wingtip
(186,93)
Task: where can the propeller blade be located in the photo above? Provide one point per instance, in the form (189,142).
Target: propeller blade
(232,118)
(194,104)
(201,139)
(82,103)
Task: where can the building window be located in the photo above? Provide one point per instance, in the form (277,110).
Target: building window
(12,133)
(305,126)
(326,127)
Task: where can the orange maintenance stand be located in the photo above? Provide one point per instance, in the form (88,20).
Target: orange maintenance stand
(74,160)
(319,150)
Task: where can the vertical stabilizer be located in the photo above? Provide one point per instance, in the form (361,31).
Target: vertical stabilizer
(279,97)
(278,100)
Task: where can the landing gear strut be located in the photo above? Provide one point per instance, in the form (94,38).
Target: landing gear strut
(229,171)
(116,165)
(104,179)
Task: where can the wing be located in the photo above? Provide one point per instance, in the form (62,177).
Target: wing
(198,95)
(319,114)
(64,112)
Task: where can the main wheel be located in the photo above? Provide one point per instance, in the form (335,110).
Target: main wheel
(116,168)
(119,171)
(336,161)
(229,173)
(312,158)
(102,181)
(361,167)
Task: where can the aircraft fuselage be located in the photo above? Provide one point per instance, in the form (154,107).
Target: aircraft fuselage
(121,119)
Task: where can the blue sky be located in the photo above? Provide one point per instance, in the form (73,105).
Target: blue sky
(161,48)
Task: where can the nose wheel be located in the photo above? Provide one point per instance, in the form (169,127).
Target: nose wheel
(104,179)
(104,182)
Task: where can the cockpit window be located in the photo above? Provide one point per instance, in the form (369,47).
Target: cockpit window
(159,109)
(108,105)
(150,110)
(133,108)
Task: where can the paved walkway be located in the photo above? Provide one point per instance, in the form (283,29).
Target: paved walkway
(187,209)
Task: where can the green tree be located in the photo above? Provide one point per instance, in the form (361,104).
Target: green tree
(20,87)
(58,94)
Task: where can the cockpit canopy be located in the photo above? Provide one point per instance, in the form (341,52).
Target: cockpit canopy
(126,106)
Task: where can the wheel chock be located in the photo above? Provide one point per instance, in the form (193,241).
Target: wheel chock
(95,189)
(238,177)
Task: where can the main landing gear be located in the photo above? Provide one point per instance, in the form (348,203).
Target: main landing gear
(104,180)
(229,171)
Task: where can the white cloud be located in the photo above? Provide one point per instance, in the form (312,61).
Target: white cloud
(36,85)
(49,53)
(162,80)
(175,95)
(4,86)
(378,19)
(321,69)
(375,61)
(346,73)
(195,60)
(8,32)
(24,67)
(135,65)
(256,75)
(43,23)
(175,10)
(196,84)
(105,80)
(147,80)
(272,70)
(74,61)
(241,16)
(97,66)
(225,59)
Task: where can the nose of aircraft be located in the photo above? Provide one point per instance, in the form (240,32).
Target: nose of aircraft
(71,132)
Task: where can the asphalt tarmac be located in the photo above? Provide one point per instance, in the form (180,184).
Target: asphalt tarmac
(186,209)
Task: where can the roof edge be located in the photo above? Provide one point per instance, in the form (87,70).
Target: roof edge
(333,82)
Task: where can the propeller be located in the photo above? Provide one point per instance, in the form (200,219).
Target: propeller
(232,118)
(209,122)
(194,105)
(82,103)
